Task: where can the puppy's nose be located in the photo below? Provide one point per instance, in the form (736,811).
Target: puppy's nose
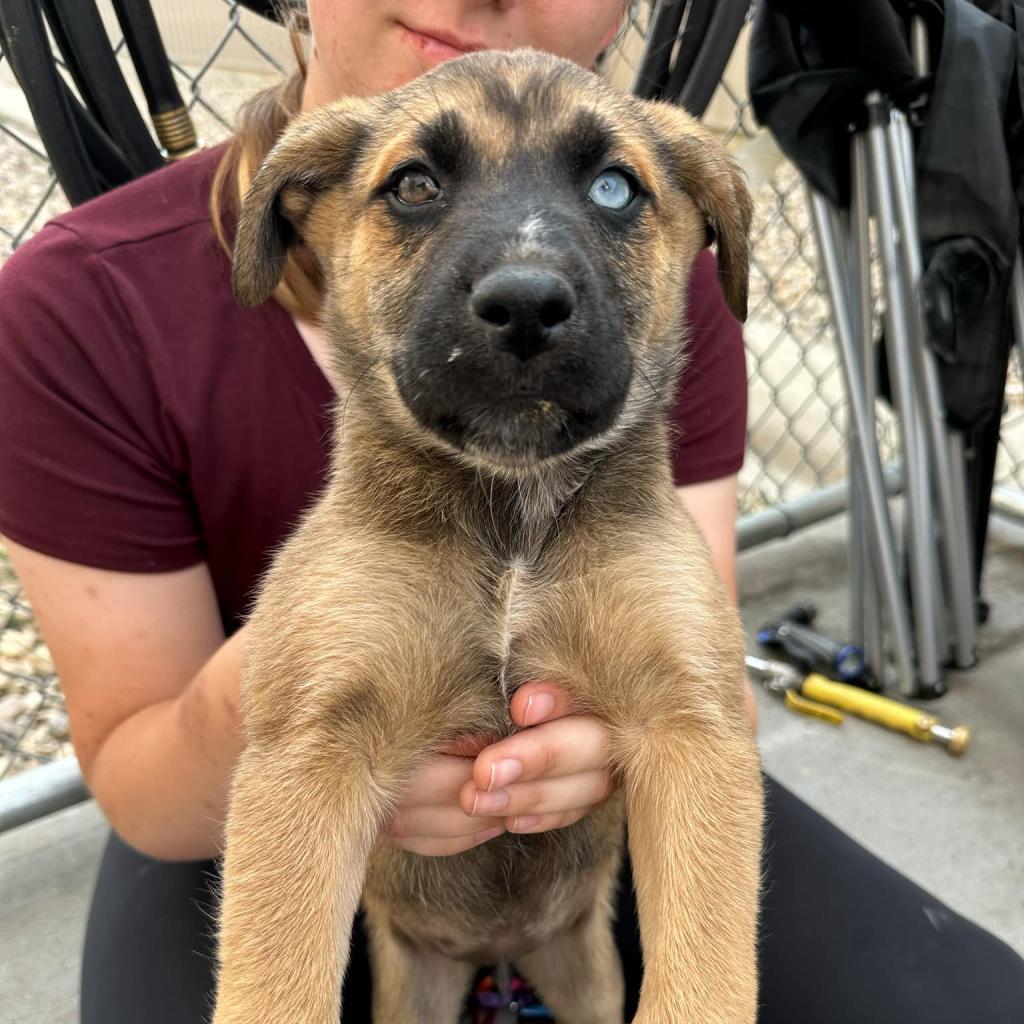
(523,305)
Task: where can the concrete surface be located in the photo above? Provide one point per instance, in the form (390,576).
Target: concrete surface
(46,874)
(955,826)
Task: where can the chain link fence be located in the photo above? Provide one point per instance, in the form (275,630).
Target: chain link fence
(797,412)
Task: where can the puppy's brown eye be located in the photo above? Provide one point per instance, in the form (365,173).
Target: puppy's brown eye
(415,187)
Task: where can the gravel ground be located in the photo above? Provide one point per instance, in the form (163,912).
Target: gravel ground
(33,718)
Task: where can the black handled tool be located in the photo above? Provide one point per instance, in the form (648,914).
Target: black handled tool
(791,633)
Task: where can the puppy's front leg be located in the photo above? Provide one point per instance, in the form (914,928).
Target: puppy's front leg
(352,677)
(693,806)
(301,829)
(646,640)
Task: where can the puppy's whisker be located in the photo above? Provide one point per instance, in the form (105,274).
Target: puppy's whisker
(342,406)
(648,382)
(434,96)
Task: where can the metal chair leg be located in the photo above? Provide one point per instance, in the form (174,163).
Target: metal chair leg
(952,520)
(860,282)
(858,557)
(883,546)
(899,344)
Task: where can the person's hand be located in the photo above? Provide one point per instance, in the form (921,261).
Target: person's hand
(465,795)
(548,775)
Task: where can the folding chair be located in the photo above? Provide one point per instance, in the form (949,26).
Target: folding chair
(840,87)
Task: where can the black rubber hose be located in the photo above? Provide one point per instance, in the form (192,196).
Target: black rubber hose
(83,42)
(719,42)
(170,115)
(265,8)
(142,38)
(695,30)
(661,39)
(26,46)
(109,164)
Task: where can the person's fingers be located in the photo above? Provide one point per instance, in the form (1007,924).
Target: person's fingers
(439,822)
(559,795)
(565,746)
(438,781)
(527,823)
(427,846)
(534,703)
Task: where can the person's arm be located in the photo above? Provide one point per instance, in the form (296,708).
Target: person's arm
(92,474)
(713,507)
(152,691)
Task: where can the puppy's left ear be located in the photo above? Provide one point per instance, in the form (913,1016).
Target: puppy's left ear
(317,151)
(698,164)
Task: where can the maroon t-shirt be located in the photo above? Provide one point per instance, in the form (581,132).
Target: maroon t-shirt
(148,422)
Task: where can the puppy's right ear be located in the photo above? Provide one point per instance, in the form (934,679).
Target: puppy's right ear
(318,150)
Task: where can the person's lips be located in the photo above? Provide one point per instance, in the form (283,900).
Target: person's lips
(440,46)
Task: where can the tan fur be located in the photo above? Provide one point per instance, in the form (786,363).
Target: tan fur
(427,584)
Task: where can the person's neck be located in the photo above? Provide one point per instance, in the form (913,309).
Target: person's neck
(319,348)
(314,92)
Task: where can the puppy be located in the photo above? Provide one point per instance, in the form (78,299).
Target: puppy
(504,244)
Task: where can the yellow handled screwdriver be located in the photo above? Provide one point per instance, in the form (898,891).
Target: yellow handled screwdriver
(818,696)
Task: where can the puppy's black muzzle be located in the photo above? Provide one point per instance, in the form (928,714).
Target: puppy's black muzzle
(517,357)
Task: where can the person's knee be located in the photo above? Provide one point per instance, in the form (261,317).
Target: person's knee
(148,951)
(973,975)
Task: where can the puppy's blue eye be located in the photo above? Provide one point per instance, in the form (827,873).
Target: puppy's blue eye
(612,190)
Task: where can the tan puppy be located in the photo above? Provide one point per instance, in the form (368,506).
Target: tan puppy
(505,244)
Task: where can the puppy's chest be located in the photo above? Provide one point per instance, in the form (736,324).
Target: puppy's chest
(527,539)
(516,602)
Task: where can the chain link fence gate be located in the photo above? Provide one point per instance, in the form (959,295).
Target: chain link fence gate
(796,434)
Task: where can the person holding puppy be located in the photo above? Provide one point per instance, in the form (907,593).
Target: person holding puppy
(159,443)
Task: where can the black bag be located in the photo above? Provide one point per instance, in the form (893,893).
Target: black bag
(811,65)
(968,211)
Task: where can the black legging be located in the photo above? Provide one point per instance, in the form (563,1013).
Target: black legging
(844,940)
